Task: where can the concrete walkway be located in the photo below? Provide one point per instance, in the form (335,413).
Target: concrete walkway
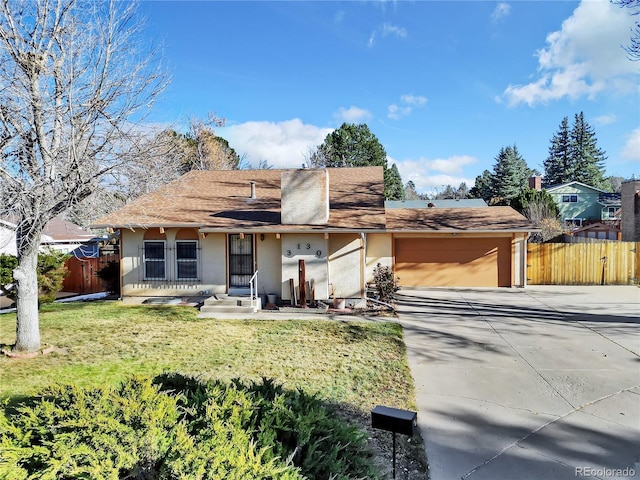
(538,383)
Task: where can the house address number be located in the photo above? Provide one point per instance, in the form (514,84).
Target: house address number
(303,248)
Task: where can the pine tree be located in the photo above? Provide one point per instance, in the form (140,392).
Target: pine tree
(482,187)
(355,146)
(558,167)
(510,174)
(410,192)
(393,189)
(588,159)
(574,156)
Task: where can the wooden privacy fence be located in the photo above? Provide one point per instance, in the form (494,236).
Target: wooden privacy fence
(601,263)
(82,276)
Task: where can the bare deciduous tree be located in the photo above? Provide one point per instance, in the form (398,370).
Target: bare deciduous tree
(633,49)
(75,78)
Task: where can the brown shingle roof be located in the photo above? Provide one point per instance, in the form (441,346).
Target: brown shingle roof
(220,200)
(489,219)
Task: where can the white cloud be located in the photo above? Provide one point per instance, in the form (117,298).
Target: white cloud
(339,16)
(605,120)
(372,39)
(501,11)
(430,176)
(583,58)
(395,111)
(631,149)
(386,30)
(282,144)
(417,100)
(393,30)
(351,115)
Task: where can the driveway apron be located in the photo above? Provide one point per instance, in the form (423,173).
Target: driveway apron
(537,383)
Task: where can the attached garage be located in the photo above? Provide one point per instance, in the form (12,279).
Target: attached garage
(459,247)
(453,262)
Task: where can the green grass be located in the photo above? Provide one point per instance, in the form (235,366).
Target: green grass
(355,364)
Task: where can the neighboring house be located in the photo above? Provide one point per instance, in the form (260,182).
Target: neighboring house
(58,234)
(448,203)
(598,230)
(579,203)
(631,211)
(210,231)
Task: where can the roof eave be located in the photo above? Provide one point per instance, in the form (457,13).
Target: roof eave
(457,231)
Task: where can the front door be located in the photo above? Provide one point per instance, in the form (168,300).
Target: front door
(240,260)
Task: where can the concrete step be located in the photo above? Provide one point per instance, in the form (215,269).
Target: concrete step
(227,304)
(226,309)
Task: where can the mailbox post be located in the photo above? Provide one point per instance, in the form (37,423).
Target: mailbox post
(396,421)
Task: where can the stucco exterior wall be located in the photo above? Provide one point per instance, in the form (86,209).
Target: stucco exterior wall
(345,259)
(312,248)
(269,264)
(211,265)
(379,250)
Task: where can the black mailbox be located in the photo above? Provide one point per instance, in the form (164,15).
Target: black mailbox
(394,420)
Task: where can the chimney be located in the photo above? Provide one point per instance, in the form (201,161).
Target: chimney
(304,197)
(253,189)
(535,182)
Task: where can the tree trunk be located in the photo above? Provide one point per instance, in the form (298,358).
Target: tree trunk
(26,278)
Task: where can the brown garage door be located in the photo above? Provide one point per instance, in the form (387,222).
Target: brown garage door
(453,262)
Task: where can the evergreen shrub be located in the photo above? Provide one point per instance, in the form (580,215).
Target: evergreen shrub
(178,427)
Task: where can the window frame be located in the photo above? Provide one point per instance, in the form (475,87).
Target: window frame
(187,260)
(154,260)
(569,198)
(573,222)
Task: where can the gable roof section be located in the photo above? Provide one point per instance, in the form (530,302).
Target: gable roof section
(61,230)
(553,188)
(220,200)
(477,219)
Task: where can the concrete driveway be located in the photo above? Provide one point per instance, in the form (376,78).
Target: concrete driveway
(537,383)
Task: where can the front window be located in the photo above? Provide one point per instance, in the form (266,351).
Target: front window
(187,260)
(569,198)
(154,260)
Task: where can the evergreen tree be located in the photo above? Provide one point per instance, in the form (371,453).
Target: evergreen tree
(588,159)
(574,156)
(529,196)
(352,146)
(510,174)
(482,187)
(393,189)
(462,191)
(355,146)
(558,166)
(410,192)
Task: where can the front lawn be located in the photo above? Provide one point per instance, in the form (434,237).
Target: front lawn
(353,365)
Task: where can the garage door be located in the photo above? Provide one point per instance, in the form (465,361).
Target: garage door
(453,262)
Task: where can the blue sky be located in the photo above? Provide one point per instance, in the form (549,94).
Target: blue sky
(443,85)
